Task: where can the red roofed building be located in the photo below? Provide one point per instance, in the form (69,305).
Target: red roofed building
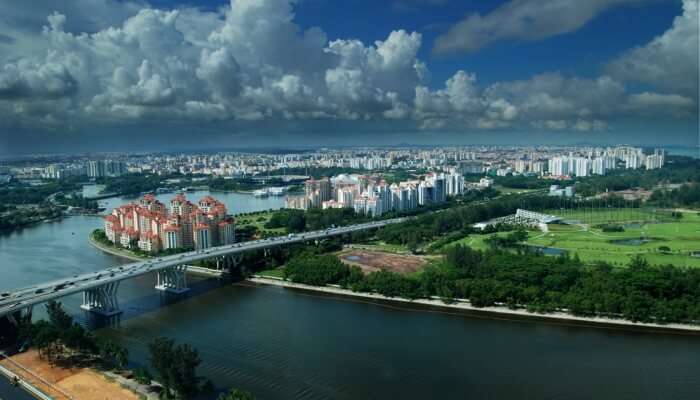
(183,225)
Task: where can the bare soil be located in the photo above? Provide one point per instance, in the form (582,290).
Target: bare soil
(65,383)
(370,261)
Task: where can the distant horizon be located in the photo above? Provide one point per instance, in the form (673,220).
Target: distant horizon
(690,151)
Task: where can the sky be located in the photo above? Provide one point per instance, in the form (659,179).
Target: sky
(121,75)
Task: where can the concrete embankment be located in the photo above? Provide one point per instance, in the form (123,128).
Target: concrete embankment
(464,305)
(113,251)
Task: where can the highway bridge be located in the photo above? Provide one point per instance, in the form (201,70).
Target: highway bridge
(100,288)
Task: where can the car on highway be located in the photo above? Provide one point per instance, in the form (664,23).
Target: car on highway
(39,291)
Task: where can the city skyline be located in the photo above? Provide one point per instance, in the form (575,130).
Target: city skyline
(167,75)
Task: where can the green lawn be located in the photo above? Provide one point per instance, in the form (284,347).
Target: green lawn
(259,221)
(592,244)
(274,273)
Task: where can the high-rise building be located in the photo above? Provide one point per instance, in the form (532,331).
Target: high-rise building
(598,166)
(317,191)
(96,169)
(186,225)
(655,160)
(632,160)
(425,193)
(521,166)
(202,235)
(471,167)
(580,166)
(455,184)
(559,166)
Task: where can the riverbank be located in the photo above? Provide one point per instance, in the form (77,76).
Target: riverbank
(114,251)
(30,223)
(463,304)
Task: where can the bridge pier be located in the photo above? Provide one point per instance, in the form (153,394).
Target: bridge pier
(102,300)
(236,259)
(173,279)
(10,325)
(20,316)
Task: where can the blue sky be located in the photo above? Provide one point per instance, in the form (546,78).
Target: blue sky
(130,74)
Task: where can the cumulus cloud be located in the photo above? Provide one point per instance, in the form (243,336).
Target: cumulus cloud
(669,61)
(521,20)
(671,104)
(547,101)
(25,79)
(250,61)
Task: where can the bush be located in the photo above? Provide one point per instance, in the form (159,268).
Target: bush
(612,228)
(143,376)
(316,270)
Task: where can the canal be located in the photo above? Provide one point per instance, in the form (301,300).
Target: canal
(282,344)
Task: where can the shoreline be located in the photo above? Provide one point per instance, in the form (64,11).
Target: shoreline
(463,305)
(114,252)
(191,269)
(30,224)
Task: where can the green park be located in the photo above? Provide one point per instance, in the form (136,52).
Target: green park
(615,236)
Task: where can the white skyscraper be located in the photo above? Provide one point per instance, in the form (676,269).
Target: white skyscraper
(598,166)
(632,161)
(559,166)
(580,165)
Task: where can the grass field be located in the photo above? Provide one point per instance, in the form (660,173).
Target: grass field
(259,221)
(273,273)
(592,244)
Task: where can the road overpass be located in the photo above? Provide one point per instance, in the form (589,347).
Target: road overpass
(100,288)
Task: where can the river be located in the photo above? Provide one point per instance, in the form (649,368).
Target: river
(283,344)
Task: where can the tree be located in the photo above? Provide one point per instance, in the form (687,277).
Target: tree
(113,354)
(57,316)
(186,362)
(44,336)
(176,367)
(161,357)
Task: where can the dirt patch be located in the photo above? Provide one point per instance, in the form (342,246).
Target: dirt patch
(65,383)
(370,261)
(90,385)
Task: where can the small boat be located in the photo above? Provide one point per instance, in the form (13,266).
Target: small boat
(261,193)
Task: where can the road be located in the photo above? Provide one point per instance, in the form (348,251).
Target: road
(16,300)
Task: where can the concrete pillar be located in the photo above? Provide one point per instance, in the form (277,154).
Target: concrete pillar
(172,279)
(102,299)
